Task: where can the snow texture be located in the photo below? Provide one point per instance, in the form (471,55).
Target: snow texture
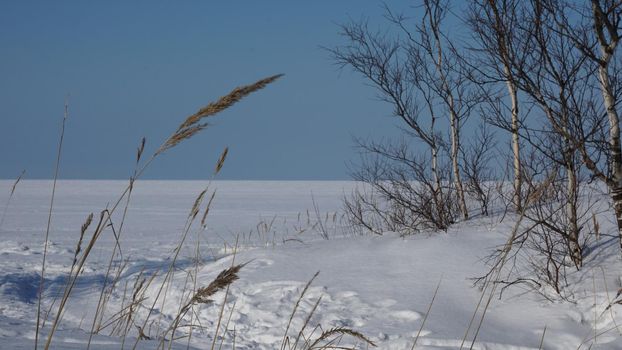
(380,286)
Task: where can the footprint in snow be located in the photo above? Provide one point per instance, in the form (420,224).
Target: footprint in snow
(259,263)
(345,295)
(385,303)
(405,315)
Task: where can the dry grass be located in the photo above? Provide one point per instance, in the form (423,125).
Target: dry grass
(226,101)
(203,295)
(191,126)
(427,313)
(291,317)
(221,160)
(194,123)
(223,280)
(329,339)
(330,334)
(206,211)
(83,229)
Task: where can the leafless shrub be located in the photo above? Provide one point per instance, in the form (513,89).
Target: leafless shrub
(547,247)
(479,178)
(402,193)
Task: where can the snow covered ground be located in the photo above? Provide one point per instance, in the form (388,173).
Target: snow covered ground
(379,286)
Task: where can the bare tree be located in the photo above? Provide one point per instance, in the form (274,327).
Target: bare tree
(396,73)
(541,252)
(419,72)
(493,24)
(555,77)
(447,83)
(594,29)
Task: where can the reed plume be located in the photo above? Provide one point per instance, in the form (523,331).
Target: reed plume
(226,101)
(326,335)
(193,124)
(83,229)
(224,279)
(207,207)
(221,160)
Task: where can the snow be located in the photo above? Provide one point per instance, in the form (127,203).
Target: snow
(380,286)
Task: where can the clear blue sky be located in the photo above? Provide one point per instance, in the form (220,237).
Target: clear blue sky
(137,68)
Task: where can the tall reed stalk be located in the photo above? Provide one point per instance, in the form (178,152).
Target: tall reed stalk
(49,222)
(11,193)
(103,297)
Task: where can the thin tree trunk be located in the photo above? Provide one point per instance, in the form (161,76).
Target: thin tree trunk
(518,181)
(455,147)
(453,118)
(607,50)
(571,214)
(614,144)
(512,91)
(438,192)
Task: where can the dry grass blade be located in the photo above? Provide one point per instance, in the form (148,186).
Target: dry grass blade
(224,279)
(6,205)
(425,318)
(202,296)
(307,320)
(140,150)
(596,226)
(338,331)
(192,125)
(602,270)
(222,307)
(542,339)
(141,333)
(615,300)
(181,135)
(221,160)
(226,101)
(49,223)
(73,275)
(291,317)
(121,314)
(19,178)
(222,338)
(209,204)
(501,260)
(83,229)
(197,203)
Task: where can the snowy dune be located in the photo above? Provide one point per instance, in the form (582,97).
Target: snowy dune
(379,286)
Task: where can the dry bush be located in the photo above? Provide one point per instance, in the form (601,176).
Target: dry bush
(400,192)
(546,248)
(480,179)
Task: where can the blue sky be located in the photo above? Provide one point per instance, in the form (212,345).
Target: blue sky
(138,68)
